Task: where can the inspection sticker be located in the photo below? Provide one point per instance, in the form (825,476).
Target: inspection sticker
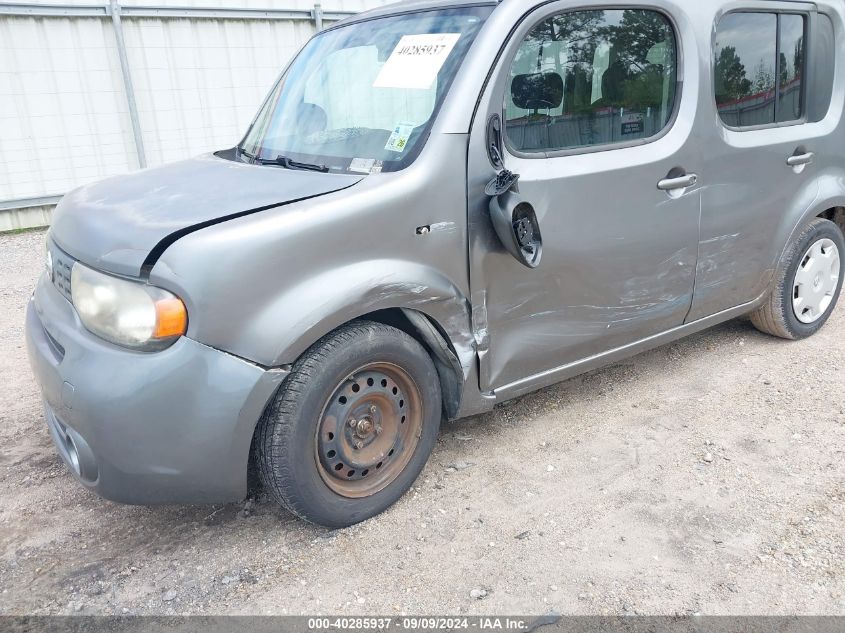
(416,60)
(398,140)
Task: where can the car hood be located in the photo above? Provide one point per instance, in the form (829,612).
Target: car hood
(123,224)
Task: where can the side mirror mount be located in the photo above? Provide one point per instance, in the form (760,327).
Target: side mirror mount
(513,218)
(494,142)
(515,222)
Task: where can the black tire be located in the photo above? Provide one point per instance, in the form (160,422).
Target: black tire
(287,441)
(776,316)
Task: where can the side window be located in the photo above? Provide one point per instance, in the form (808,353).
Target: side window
(758,68)
(821,90)
(588,78)
(790,67)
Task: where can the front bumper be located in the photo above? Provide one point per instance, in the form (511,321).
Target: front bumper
(168,427)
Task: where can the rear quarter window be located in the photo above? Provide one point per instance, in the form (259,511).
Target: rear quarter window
(824,45)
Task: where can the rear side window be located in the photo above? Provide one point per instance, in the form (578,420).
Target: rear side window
(790,105)
(821,89)
(590,78)
(759,67)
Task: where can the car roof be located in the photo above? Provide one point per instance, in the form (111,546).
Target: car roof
(405,6)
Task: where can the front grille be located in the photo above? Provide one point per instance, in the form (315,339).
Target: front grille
(62,265)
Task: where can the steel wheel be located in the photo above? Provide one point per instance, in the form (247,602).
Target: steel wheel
(368,430)
(816,281)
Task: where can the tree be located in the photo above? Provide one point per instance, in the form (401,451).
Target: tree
(731,78)
(575,29)
(799,56)
(784,70)
(764,78)
(637,42)
(636,35)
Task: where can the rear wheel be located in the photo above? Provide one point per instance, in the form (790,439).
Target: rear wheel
(352,427)
(807,284)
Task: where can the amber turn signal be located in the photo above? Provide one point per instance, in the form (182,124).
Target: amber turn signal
(171,318)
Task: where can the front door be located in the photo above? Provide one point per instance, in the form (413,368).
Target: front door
(597,125)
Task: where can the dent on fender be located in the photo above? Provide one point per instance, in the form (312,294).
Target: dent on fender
(453,354)
(356,291)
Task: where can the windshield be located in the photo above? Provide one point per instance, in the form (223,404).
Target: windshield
(361,98)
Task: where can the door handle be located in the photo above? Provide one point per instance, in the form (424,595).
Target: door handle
(681,182)
(800,159)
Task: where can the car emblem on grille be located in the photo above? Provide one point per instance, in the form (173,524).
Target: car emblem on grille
(49,264)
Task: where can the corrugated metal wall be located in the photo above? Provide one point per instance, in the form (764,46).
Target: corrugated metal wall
(64,118)
(62,108)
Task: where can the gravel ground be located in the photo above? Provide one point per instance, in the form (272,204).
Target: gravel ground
(706,476)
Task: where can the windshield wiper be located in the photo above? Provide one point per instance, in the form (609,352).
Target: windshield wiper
(287,163)
(283,161)
(242,152)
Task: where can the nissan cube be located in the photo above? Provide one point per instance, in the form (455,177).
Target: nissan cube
(440,206)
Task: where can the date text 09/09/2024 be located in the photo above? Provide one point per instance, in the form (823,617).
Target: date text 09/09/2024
(417,623)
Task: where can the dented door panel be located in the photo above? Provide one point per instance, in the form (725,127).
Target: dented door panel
(619,254)
(614,269)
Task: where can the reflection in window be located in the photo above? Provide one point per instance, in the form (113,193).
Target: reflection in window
(589,78)
(757,75)
(791,64)
(745,68)
(363,97)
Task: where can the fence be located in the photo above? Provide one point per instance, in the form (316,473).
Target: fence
(89,90)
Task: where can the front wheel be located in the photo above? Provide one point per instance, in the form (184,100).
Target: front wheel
(807,284)
(352,426)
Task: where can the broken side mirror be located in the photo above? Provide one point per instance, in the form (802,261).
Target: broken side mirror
(513,218)
(515,222)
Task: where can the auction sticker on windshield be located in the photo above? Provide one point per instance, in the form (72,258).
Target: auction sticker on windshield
(416,60)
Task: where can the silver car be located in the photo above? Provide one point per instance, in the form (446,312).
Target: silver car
(441,205)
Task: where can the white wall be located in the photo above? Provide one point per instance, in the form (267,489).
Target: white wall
(64,118)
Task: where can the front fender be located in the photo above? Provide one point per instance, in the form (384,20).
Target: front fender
(267,286)
(315,306)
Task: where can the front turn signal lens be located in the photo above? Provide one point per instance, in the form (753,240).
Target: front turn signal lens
(171,318)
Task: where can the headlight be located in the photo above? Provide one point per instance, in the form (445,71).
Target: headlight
(127,313)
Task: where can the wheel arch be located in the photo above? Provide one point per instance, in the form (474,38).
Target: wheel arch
(829,203)
(450,350)
(835,215)
(431,335)
(412,297)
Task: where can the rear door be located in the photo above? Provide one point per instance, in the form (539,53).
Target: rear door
(760,153)
(598,108)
